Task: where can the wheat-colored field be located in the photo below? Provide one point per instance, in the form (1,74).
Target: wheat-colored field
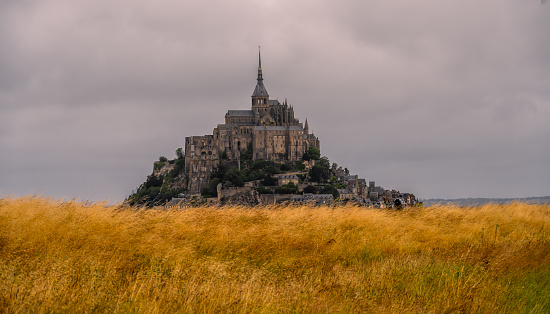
(68,256)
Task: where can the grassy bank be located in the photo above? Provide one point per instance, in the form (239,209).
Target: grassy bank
(67,256)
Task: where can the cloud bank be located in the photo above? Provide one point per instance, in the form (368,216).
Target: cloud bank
(441,99)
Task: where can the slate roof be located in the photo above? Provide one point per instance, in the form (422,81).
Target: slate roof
(288,176)
(240,113)
(260,89)
(344,191)
(278,128)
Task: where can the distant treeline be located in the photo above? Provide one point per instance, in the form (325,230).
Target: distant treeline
(484,201)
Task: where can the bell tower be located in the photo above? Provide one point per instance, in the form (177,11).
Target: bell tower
(260,97)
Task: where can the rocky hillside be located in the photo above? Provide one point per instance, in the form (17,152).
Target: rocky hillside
(168,179)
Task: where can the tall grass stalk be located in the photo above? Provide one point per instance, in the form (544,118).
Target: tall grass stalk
(67,256)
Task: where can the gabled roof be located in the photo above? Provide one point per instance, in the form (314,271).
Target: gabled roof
(288,176)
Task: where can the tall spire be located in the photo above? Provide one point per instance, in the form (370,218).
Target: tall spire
(259,64)
(260,89)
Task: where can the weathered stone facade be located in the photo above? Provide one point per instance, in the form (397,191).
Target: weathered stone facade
(269,127)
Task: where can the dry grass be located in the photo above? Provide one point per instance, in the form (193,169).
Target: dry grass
(60,256)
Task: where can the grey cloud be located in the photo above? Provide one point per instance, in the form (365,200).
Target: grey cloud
(443,99)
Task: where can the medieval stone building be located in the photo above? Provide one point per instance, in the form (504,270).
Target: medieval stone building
(269,128)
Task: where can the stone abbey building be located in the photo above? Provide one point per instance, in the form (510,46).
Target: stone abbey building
(269,128)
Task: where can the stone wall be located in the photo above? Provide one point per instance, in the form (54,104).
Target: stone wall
(201,157)
(224,193)
(267,199)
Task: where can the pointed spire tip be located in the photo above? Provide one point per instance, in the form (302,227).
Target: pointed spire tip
(259,58)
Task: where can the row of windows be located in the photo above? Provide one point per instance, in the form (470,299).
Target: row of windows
(269,155)
(241,120)
(203,168)
(261,101)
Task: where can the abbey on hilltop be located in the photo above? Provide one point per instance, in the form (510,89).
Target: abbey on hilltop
(268,131)
(263,155)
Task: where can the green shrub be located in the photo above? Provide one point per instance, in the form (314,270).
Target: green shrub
(312,154)
(263,190)
(270,181)
(289,188)
(233,177)
(158,165)
(310,189)
(299,166)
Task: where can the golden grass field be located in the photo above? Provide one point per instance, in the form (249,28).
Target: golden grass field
(67,256)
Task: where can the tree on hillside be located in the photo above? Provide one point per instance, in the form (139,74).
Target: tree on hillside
(246,155)
(320,172)
(329,189)
(270,181)
(233,177)
(310,189)
(298,165)
(312,154)
(289,188)
(324,162)
(219,172)
(179,153)
(211,189)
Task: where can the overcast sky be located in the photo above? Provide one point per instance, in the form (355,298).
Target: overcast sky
(444,99)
